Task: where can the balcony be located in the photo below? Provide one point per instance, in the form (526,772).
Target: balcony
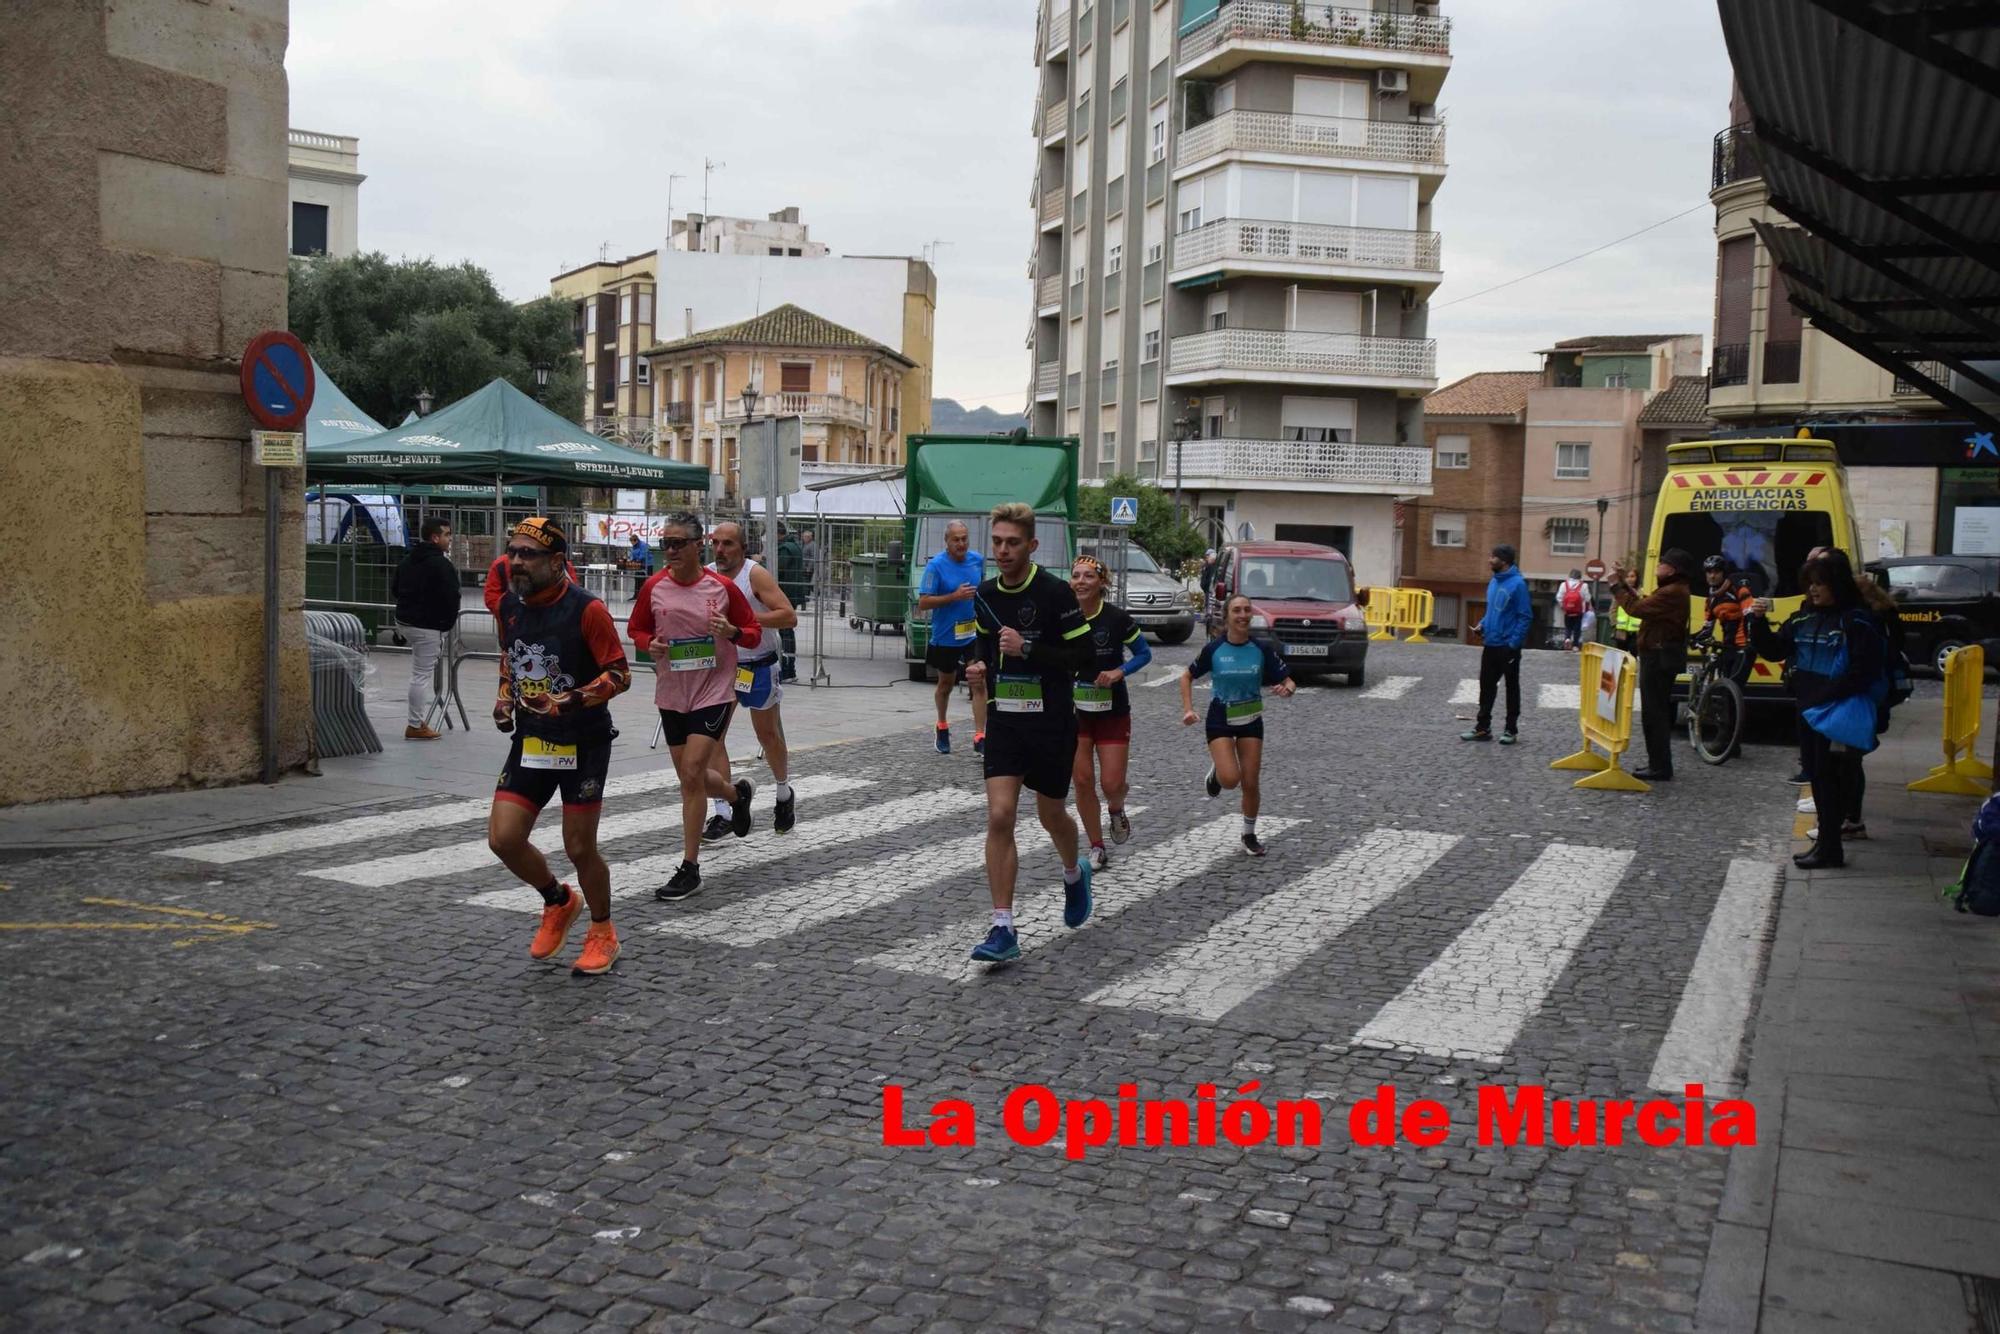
(1286,356)
(1245,245)
(1052,209)
(1048,293)
(1302,465)
(813,407)
(1048,377)
(1247,30)
(1731,365)
(1734,158)
(1934,370)
(1418,143)
(1055,120)
(676,414)
(1055,42)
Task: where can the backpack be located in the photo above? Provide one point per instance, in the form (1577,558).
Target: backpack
(1978,887)
(1572,595)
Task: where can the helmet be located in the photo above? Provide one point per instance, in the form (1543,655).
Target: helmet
(1715,565)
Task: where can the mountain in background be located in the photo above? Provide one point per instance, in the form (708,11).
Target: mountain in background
(948,417)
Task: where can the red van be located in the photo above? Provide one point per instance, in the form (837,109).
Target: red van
(1302,596)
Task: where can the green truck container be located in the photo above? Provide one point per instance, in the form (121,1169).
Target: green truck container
(948,477)
(880,594)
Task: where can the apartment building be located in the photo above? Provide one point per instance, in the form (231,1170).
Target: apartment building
(1773,370)
(845,386)
(614,302)
(784,233)
(1477,431)
(1233,255)
(323,179)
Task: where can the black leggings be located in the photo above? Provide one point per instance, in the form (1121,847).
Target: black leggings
(1837,785)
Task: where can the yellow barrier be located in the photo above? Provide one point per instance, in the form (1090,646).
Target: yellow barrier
(1414,608)
(1380,612)
(1964,683)
(1614,736)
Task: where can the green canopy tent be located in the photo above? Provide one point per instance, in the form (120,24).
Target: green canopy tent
(333,419)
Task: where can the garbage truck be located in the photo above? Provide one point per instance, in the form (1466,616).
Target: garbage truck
(948,477)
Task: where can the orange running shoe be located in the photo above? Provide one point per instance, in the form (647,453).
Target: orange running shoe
(554,929)
(600,949)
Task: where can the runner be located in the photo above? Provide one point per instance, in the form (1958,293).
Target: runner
(561,664)
(1104,707)
(691,621)
(949,584)
(758,687)
(1033,641)
(1242,667)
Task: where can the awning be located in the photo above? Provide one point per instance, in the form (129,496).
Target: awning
(333,418)
(499,432)
(1878,126)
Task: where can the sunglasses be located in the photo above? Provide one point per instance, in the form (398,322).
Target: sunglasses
(525,553)
(673,543)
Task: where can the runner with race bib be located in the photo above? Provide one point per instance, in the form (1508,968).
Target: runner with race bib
(1104,708)
(1243,667)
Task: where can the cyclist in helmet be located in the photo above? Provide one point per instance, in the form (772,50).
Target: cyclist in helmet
(1726,626)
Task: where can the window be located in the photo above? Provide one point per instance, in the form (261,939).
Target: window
(1218,310)
(1114,162)
(1454,451)
(1572,459)
(589,376)
(645,371)
(1154,252)
(1159,151)
(1569,537)
(309,229)
(1447,530)
(624,370)
(1111,366)
(795,251)
(645,307)
(590,318)
(1081,180)
(1149,451)
(1318,420)
(1735,282)
(777,250)
(1107,447)
(1114,258)
(1076,274)
(624,308)
(795,377)
(1151,351)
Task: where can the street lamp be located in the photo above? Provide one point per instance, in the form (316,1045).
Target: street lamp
(541,379)
(424,400)
(1186,426)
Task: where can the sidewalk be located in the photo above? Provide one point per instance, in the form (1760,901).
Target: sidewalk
(1872,1201)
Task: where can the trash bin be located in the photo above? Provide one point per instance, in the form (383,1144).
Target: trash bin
(880,595)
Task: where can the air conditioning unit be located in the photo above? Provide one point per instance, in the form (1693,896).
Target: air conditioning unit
(1392,81)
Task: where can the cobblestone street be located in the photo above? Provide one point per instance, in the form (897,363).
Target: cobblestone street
(312,1080)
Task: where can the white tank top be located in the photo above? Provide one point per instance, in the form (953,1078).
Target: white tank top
(742,582)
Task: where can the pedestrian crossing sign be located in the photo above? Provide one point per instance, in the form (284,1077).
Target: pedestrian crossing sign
(1124,509)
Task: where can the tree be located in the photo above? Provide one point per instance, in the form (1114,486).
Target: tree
(1166,537)
(383,330)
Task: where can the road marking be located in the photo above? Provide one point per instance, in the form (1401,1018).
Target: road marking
(1701,1045)
(1166,680)
(841,894)
(1037,904)
(1467,692)
(1474,997)
(1392,687)
(202,925)
(1253,948)
(313,837)
(723,862)
(1559,696)
(473,854)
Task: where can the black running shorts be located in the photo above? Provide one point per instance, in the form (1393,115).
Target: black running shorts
(948,661)
(532,785)
(712,722)
(1041,759)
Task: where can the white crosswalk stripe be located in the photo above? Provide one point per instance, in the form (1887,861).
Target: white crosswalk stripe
(1467,692)
(723,862)
(473,854)
(841,894)
(1259,945)
(310,838)
(1391,687)
(1558,696)
(1038,906)
(1474,997)
(1164,678)
(1700,1047)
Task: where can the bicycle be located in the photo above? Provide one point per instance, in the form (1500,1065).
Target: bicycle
(1714,707)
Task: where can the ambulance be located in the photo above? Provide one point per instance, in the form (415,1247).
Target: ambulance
(1763,504)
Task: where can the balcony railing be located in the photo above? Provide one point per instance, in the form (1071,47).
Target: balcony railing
(1414,141)
(1301,352)
(1047,376)
(1057,40)
(813,407)
(1052,206)
(1319,25)
(1934,370)
(1731,366)
(676,414)
(1735,157)
(1048,291)
(1332,465)
(1306,244)
(1055,118)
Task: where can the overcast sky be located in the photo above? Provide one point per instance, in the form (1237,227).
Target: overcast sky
(523,135)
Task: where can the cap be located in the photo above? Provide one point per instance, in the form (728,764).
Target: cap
(544,533)
(1505,552)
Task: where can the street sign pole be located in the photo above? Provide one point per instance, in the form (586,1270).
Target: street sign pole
(278,383)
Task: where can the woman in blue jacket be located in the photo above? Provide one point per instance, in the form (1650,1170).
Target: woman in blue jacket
(1243,667)
(1834,649)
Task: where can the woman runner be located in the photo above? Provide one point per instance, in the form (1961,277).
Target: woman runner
(1103,707)
(1243,667)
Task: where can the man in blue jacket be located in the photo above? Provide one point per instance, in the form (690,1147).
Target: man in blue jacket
(1504,630)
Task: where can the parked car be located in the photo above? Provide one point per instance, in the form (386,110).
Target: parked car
(1302,596)
(1155,600)
(1946,602)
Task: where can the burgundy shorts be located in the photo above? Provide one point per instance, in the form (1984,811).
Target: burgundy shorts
(1104,729)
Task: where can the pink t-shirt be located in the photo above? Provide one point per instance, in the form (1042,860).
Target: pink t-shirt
(693,667)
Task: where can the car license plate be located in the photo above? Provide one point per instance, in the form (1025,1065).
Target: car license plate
(1306,650)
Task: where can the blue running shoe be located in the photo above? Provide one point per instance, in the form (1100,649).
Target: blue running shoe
(1076,897)
(1000,946)
(944,741)
(979,743)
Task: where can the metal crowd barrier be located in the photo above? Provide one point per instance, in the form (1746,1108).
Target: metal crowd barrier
(337,645)
(1612,732)
(1964,684)
(1391,609)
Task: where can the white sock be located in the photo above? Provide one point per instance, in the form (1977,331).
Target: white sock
(1004,917)
(1249,824)
(1072,874)
(721,806)
(784,792)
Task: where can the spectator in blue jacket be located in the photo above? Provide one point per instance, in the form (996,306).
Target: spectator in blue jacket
(1504,630)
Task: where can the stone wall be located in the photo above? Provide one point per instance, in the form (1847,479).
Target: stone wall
(143,197)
